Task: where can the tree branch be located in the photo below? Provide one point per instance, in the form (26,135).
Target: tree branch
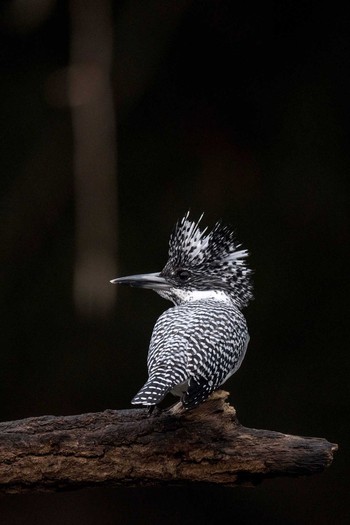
(128,447)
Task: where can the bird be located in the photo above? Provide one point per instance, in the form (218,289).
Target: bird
(198,343)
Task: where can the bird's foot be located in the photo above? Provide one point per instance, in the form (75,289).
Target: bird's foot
(176,409)
(153,410)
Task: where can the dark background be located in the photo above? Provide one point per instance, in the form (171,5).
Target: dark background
(241,112)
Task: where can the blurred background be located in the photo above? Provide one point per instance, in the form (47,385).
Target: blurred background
(118,117)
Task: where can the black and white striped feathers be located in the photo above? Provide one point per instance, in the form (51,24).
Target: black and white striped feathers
(201,341)
(207,261)
(195,347)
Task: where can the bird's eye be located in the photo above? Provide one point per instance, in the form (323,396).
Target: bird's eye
(183,275)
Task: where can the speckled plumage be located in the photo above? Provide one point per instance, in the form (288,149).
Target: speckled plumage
(197,344)
(201,341)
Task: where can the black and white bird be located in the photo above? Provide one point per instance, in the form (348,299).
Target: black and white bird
(201,341)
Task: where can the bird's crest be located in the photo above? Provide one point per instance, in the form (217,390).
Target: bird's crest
(214,258)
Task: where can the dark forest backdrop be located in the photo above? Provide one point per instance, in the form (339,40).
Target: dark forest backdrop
(237,109)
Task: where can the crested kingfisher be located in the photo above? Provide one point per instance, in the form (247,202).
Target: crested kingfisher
(197,344)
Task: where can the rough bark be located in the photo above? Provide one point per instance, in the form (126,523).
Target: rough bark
(128,447)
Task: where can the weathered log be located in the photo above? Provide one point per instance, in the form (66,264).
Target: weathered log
(129,447)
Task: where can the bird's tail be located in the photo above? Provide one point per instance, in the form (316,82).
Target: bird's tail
(153,391)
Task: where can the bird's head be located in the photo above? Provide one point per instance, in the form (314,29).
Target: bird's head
(200,263)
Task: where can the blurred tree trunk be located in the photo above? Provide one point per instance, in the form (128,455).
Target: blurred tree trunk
(95,145)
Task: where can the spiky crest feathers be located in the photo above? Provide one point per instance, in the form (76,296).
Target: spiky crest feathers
(191,246)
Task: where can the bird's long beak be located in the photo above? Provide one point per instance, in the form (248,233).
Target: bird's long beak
(144,280)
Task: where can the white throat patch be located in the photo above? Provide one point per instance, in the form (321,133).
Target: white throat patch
(182,295)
